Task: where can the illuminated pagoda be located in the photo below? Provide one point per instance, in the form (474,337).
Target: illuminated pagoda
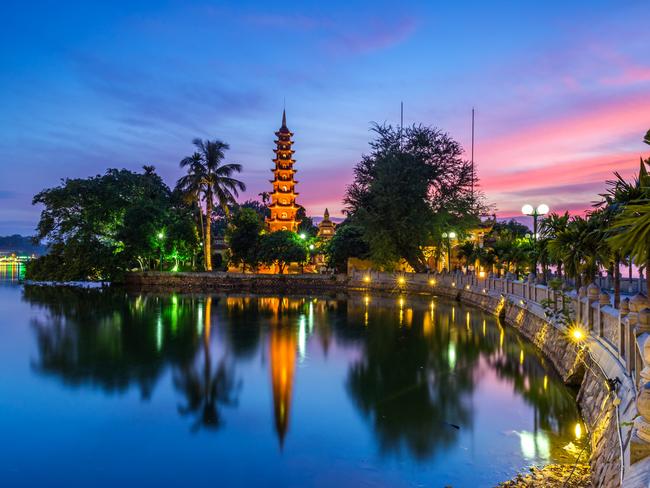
(283,198)
(326,228)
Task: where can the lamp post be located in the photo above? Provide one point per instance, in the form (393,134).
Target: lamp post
(542,209)
(449,236)
(161,238)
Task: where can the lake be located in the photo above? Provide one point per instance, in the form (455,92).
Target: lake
(107,388)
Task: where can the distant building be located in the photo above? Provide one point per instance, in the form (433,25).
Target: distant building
(283,198)
(326,228)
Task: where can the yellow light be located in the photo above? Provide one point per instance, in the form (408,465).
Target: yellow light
(366,300)
(467,287)
(432,282)
(545,382)
(521,357)
(453,283)
(481,274)
(401,280)
(366,279)
(577,334)
(401,302)
(578,430)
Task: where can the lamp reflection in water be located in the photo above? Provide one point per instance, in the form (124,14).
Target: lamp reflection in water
(535,445)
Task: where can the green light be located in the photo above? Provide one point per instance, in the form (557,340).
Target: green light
(303,235)
(161,235)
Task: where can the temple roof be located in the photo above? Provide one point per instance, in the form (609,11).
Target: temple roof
(284,129)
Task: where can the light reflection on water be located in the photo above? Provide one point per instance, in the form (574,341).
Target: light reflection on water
(298,391)
(11,272)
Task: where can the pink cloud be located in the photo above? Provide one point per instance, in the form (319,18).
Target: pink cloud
(629,76)
(574,136)
(567,159)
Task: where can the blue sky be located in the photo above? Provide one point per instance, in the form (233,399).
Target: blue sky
(561,90)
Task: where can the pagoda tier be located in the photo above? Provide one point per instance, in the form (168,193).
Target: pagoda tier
(283,205)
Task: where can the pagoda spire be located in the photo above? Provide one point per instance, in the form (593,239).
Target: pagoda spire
(283,204)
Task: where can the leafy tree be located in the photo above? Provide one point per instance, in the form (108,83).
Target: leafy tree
(347,242)
(212,178)
(306,226)
(510,229)
(260,207)
(282,247)
(101,226)
(244,236)
(409,178)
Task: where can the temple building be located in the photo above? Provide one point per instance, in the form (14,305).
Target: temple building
(283,198)
(326,228)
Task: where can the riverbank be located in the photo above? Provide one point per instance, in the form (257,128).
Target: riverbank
(553,476)
(588,366)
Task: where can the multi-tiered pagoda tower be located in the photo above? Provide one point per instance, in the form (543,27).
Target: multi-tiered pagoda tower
(283,199)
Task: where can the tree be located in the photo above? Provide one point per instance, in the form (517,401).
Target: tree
(411,177)
(549,228)
(102,226)
(282,247)
(244,236)
(629,232)
(347,242)
(260,207)
(581,248)
(214,178)
(632,236)
(191,186)
(306,226)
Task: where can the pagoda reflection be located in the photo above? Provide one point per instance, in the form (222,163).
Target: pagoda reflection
(283,347)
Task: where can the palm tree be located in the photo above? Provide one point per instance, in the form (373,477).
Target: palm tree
(619,195)
(632,227)
(549,228)
(630,231)
(581,248)
(192,187)
(214,179)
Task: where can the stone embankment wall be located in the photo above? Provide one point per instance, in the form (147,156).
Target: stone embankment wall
(235,282)
(612,349)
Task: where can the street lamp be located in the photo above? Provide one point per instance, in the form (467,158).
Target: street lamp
(449,236)
(161,238)
(542,209)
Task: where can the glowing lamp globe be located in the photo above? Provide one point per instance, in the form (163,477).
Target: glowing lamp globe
(527,209)
(542,209)
(452,235)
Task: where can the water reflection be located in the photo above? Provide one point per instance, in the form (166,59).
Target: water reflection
(206,388)
(414,368)
(11,272)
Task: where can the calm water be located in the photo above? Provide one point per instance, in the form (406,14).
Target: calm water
(102,388)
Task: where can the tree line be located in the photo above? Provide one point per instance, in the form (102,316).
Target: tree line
(409,193)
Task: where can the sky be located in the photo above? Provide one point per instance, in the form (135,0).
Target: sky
(561,91)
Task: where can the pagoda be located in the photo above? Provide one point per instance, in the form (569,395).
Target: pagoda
(326,228)
(283,198)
